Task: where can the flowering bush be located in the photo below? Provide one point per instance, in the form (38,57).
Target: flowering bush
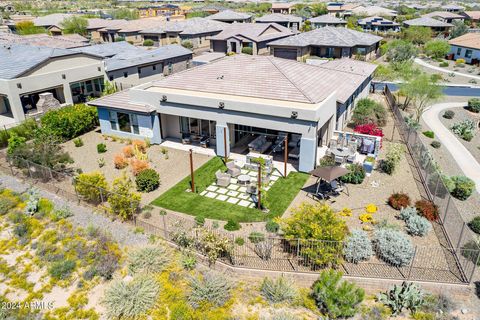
(138,166)
(371,208)
(127,151)
(140,145)
(370,129)
(427,209)
(346,212)
(120,161)
(366,218)
(399,200)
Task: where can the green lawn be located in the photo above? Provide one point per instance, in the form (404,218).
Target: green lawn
(279,197)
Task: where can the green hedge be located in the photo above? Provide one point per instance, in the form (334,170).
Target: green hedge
(70,122)
(26,130)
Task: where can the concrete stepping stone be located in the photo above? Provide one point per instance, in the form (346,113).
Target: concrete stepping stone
(244,203)
(232,187)
(232,193)
(211,195)
(233,200)
(222,191)
(221,197)
(212,188)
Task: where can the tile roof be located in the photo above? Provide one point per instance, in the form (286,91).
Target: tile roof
(254,31)
(468,40)
(326,18)
(45,40)
(426,22)
(229,15)
(377,21)
(188,26)
(278,17)
(141,24)
(444,15)
(374,11)
(121,101)
(474,15)
(110,49)
(329,36)
(54,19)
(267,77)
(96,23)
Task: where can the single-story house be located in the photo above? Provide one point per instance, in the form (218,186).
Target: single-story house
(44,40)
(370,11)
(445,16)
(237,36)
(168,10)
(286,20)
(52,22)
(437,26)
(232,101)
(340,9)
(96,25)
(130,30)
(466,47)
(473,16)
(453,8)
(230,16)
(28,71)
(378,24)
(327,21)
(196,30)
(283,7)
(328,42)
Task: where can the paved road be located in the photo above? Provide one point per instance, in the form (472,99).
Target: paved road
(448,90)
(467,163)
(428,65)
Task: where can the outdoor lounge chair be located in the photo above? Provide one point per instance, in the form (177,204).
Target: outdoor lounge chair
(339,159)
(294,141)
(260,144)
(232,169)
(204,141)
(186,138)
(294,153)
(223,179)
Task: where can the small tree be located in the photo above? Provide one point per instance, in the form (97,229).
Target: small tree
(459,29)
(437,48)
(92,186)
(187,44)
(123,200)
(75,24)
(399,51)
(27,27)
(148,43)
(307,26)
(318,9)
(421,90)
(417,35)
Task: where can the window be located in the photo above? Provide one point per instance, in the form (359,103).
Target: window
(110,78)
(170,67)
(113,120)
(124,123)
(468,54)
(459,51)
(134,120)
(125,74)
(154,67)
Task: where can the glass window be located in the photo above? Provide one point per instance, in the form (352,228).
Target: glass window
(194,126)
(184,125)
(170,67)
(135,128)
(205,128)
(459,51)
(213,129)
(113,120)
(89,86)
(125,74)
(124,122)
(468,54)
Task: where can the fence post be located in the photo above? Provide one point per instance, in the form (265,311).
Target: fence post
(165,231)
(446,209)
(411,265)
(436,187)
(298,248)
(460,237)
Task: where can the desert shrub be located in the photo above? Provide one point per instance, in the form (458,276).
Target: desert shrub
(315,222)
(122,199)
(465,129)
(101,148)
(272,226)
(464,187)
(130,299)
(443,64)
(212,244)
(61,213)
(471,251)
(438,304)
(247,50)
(187,44)
(334,297)
(256,237)
(369,111)
(138,166)
(407,212)
(71,121)
(399,200)
(281,314)
(407,296)
(128,151)
(140,145)
(92,186)
(211,287)
(147,180)
(474,105)
(199,220)
(427,209)
(61,270)
(355,175)
(120,161)
(106,265)
(393,247)
(239,241)
(148,43)
(24,130)
(327,160)
(232,225)
(474,224)
(437,48)
(449,114)
(278,290)
(429,134)
(436,144)
(418,226)
(148,260)
(188,261)
(78,142)
(358,247)
(392,158)
(6,204)
(263,249)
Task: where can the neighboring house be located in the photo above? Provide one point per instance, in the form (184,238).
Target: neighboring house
(230,16)
(473,16)
(237,36)
(127,65)
(167,10)
(453,8)
(283,8)
(286,20)
(340,9)
(327,21)
(97,29)
(437,26)
(444,16)
(129,30)
(466,47)
(195,30)
(370,11)
(328,42)
(27,71)
(44,40)
(52,22)
(378,24)
(235,99)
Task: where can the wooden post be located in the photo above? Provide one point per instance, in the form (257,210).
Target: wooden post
(259,191)
(285,156)
(225,143)
(191,170)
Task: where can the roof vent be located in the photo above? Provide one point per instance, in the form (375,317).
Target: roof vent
(220,77)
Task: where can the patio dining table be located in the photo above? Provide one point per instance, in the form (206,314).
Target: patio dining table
(243,179)
(343,152)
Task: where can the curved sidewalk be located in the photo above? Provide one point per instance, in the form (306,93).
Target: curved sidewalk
(428,65)
(467,163)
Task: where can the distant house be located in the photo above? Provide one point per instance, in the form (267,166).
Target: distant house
(437,26)
(44,40)
(283,7)
(52,22)
(444,16)
(328,42)
(129,30)
(340,9)
(453,8)
(292,22)
(168,10)
(378,24)
(466,47)
(97,29)
(196,30)
(230,16)
(370,11)
(327,21)
(27,71)
(473,16)
(256,36)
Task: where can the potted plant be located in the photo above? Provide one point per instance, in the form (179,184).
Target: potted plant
(368,164)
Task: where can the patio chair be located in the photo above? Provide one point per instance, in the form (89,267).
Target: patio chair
(204,141)
(351,158)
(336,187)
(339,159)
(223,179)
(251,189)
(186,138)
(333,143)
(233,170)
(294,153)
(294,140)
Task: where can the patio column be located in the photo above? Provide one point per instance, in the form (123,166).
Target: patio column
(157,132)
(16,107)
(308,154)
(220,130)
(67,93)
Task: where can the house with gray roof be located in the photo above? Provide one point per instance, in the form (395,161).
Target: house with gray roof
(52,22)
(437,26)
(236,37)
(230,16)
(327,20)
(237,99)
(445,16)
(287,20)
(327,42)
(29,72)
(44,40)
(378,24)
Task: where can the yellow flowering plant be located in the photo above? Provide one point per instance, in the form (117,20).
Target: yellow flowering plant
(366,218)
(345,212)
(371,208)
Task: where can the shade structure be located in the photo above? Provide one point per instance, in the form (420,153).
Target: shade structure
(329,173)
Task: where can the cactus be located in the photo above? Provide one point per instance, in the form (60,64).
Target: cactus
(407,296)
(32,203)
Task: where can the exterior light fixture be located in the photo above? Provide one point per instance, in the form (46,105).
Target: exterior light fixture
(164,98)
(294,115)
(221,105)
